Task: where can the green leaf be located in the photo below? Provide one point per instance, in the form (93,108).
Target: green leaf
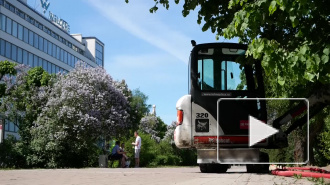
(308,63)
(325,59)
(303,49)
(272,7)
(261,47)
(292,18)
(280,80)
(317,59)
(326,51)
(231,4)
(294,21)
(260,2)
(308,76)
(302,58)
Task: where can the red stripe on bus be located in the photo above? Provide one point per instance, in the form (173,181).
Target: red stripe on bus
(301,110)
(244,124)
(223,140)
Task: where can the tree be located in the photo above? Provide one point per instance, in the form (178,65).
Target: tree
(187,156)
(21,103)
(25,102)
(7,71)
(291,38)
(161,127)
(148,125)
(155,126)
(139,107)
(82,106)
(169,134)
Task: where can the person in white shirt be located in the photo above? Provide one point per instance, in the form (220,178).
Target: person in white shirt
(137,147)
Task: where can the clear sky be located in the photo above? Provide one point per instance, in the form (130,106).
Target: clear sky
(149,51)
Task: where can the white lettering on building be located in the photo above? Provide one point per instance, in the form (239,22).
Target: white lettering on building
(60,22)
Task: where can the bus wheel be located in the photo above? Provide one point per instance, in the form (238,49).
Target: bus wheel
(259,168)
(213,168)
(203,168)
(221,168)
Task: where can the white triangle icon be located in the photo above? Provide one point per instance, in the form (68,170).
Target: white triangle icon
(258,131)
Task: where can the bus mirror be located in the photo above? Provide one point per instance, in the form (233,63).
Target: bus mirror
(232,75)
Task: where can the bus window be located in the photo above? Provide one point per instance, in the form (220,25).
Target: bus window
(220,75)
(233,78)
(206,71)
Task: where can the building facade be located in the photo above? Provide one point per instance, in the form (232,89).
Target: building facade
(28,37)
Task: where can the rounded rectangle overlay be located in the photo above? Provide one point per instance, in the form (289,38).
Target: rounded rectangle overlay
(277,109)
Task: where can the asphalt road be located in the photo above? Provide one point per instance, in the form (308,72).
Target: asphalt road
(136,176)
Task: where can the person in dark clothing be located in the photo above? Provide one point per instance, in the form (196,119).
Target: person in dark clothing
(116,153)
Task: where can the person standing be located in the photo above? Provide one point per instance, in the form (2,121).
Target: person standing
(137,148)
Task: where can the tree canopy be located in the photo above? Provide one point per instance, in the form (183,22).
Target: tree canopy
(290,37)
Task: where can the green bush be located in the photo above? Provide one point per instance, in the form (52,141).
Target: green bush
(325,143)
(11,155)
(164,153)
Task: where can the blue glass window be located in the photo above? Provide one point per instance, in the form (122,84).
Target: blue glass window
(50,48)
(25,57)
(41,43)
(30,60)
(54,50)
(36,41)
(44,65)
(2,47)
(25,35)
(45,45)
(62,55)
(69,58)
(2,22)
(49,67)
(58,53)
(31,39)
(35,61)
(8,26)
(65,57)
(19,55)
(20,32)
(40,62)
(14,31)
(53,68)
(14,52)
(8,50)
(99,54)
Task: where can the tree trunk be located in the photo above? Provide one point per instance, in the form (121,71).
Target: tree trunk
(315,129)
(300,146)
(321,95)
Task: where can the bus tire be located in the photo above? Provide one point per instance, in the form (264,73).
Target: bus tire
(259,168)
(203,168)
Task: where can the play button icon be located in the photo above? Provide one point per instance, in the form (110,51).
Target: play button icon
(259,131)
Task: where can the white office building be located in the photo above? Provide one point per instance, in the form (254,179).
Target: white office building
(32,38)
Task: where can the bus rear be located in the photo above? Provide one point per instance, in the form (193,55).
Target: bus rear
(205,120)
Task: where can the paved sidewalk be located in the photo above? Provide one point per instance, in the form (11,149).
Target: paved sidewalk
(136,176)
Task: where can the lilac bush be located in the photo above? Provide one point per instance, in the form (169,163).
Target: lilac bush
(148,125)
(169,134)
(83,106)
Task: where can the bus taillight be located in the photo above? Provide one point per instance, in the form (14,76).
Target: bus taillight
(179,117)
